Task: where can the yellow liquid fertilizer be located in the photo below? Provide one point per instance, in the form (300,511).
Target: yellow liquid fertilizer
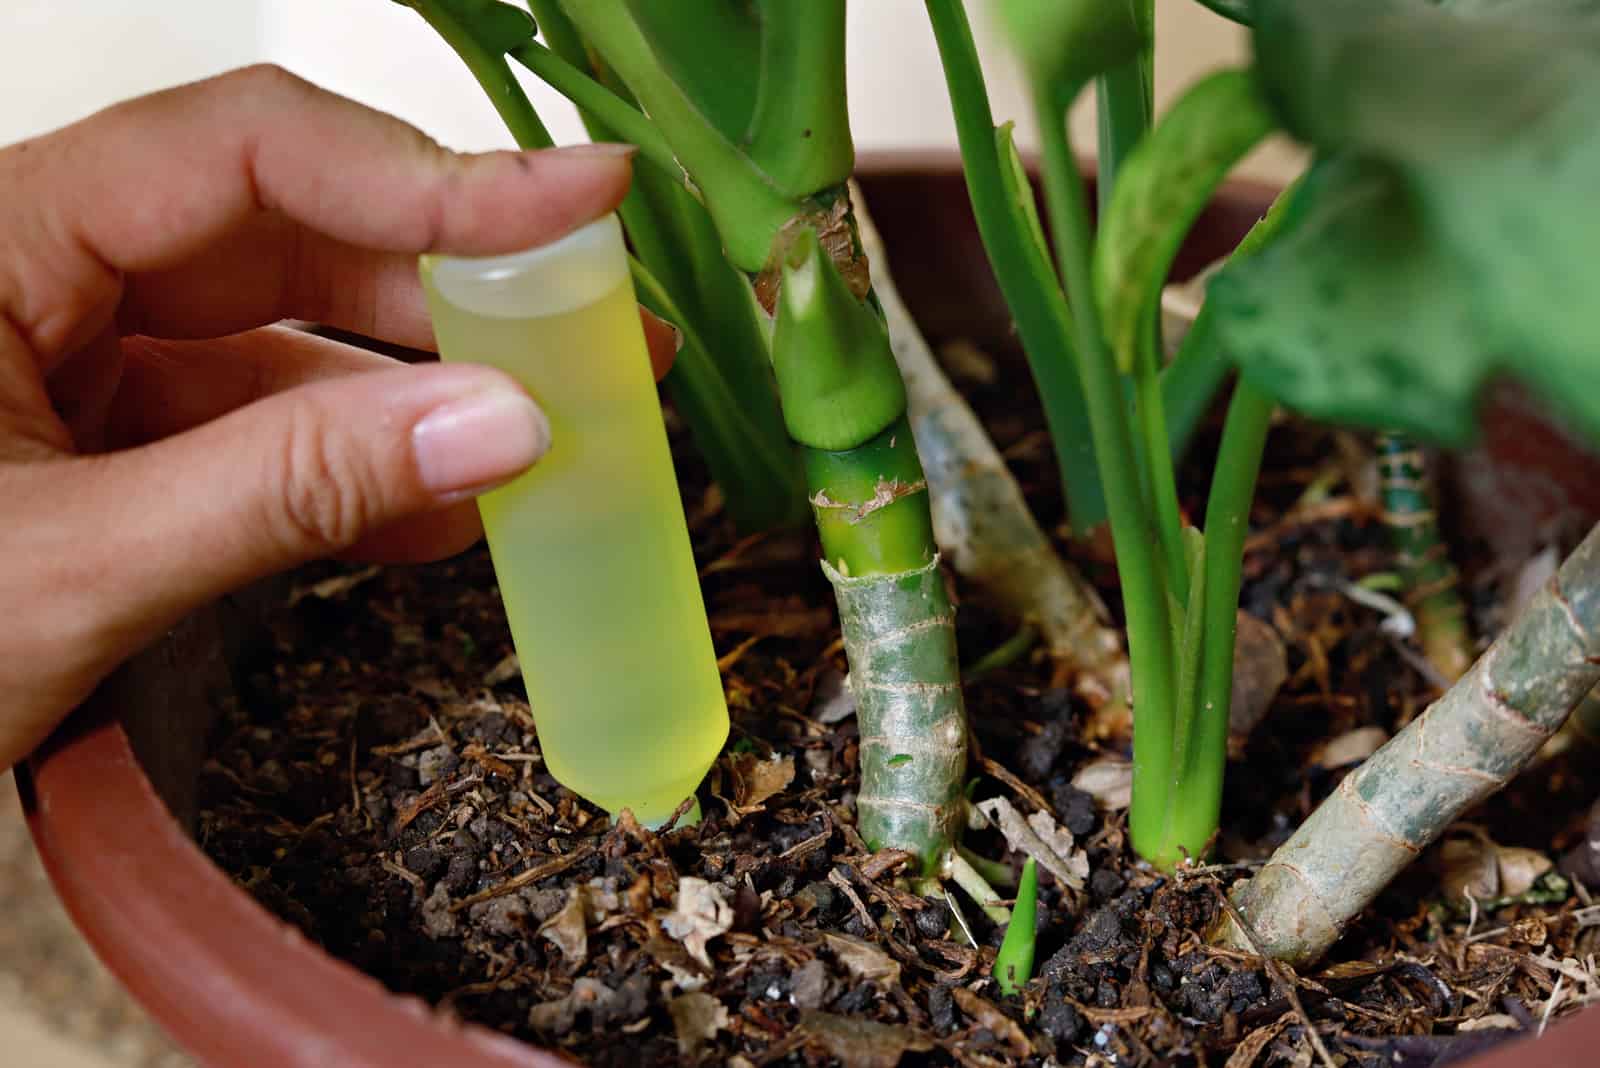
(590,546)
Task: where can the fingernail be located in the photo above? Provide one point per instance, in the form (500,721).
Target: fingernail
(477,442)
(598,150)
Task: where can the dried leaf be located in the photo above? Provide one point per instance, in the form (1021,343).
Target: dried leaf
(1495,1021)
(1059,839)
(567,929)
(699,914)
(558,1016)
(331,588)
(1245,1053)
(1109,781)
(697,1018)
(991,1019)
(861,1043)
(809,986)
(1052,849)
(670,955)
(1351,747)
(755,780)
(507,669)
(863,960)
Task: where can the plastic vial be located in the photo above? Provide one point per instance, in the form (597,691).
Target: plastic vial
(590,546)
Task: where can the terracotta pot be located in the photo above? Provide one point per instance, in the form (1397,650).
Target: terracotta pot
(110,796)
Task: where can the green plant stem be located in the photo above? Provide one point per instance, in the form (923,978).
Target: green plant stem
(1463,748)
(756,466)
(1196,800)
(1124,109)
(1150,645)
(749,210)
(1430,577)
(1150,407)
(971,880)
(594,99)
(1023,271)
(492,72)
(981,519)
(1191,380)
(800,132)
(676,241)
(993,871)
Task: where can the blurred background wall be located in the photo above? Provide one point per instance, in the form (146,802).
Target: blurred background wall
(61,59)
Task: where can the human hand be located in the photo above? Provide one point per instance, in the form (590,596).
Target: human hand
(160,445)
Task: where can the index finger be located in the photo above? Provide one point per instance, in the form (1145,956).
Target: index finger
(146,185)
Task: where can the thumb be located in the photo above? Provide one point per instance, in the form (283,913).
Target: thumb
(302,474)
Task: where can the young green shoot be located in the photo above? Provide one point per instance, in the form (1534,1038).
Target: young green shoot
(1013,965)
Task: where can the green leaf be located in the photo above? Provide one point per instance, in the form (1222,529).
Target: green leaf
(1018,188)
(1164,185)
(1449,234)
(1067,42)
(710,48)
(1351,315)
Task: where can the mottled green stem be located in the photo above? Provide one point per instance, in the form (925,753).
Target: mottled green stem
(1424,559)
(1467,745)
(844,403)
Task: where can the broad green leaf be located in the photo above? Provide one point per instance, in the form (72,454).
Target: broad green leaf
(1162,188)
(1468,221)
(1340,314)
(1067,42)
(712,49)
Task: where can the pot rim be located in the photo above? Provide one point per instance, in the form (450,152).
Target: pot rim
(169,923)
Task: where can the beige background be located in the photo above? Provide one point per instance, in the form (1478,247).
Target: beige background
(61,59)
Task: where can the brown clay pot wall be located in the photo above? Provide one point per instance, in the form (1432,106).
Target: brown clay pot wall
(110,796)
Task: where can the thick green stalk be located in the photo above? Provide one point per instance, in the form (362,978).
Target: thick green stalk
(1429,576)
(1150,646)
(749,210)
(488,65)
(981,519)
(800,133)
(1023,271)
(1467,745)
(844,403)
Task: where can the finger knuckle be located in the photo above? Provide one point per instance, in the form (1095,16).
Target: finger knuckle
(330,494)
(268,81)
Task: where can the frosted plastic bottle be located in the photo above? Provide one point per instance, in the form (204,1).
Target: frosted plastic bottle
(590,546)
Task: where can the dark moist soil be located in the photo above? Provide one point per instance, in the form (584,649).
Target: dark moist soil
(378,784)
